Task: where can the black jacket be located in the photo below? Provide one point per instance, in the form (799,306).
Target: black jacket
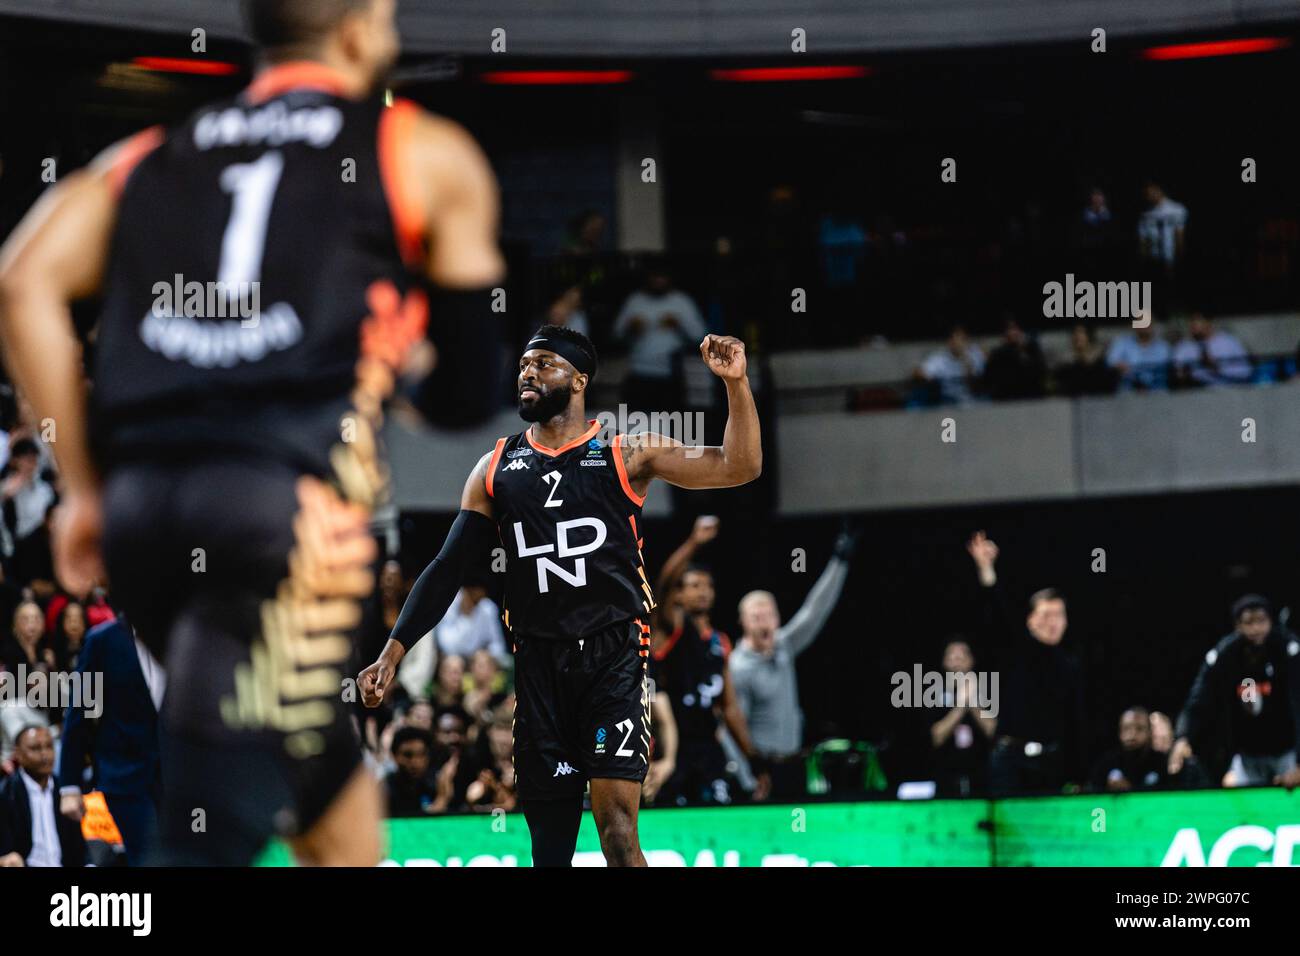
(16,823)
(1216,708)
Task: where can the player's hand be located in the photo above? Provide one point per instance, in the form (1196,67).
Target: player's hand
(1178,754)
(11,859)
(1290,779)
(724,355)
(656,776)
(77,528)
(374,681)
(72,806)
(705,529)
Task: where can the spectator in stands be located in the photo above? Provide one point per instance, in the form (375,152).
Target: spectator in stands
(449,685)
(1016,368)
(658,322)
(69,635)
(120,742)
(1161,228)
(1040,740)
(473,622)
(32,831)
(960,739)
(1135,765)
(411,790)
(763,668)
(1140,359)
(954,368)
(690,664)
(585,234)
(494,787)
(1210,357)
(26,498)
(566,310)
(1087,372)
(1162,732)
(1096,219)
(454,766)
(24,653)
(1248,691)
(487,686)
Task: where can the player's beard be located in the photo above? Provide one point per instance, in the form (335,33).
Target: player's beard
(548,405)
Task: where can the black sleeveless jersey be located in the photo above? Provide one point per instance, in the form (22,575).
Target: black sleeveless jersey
(258,252)
(690,668)
(570,524)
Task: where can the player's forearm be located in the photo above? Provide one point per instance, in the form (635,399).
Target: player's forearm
(436,587)
(44,360)
(734,718)
(742,444)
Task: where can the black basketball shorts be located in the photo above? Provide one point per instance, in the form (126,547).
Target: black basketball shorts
(582,711)
(257,739)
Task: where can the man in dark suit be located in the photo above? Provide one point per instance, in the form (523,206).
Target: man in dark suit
(32,832)
(123,749)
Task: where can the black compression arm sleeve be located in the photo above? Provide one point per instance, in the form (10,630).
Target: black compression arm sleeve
(468,542)
(466,388)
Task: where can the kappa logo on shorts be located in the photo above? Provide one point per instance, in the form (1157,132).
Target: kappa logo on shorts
(519,465)
(563,770)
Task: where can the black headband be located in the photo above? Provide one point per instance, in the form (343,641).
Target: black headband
(575,356)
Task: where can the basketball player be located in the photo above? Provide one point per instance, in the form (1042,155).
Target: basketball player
(260,268)
(566,505)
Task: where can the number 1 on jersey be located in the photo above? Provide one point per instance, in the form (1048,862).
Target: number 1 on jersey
(253,186)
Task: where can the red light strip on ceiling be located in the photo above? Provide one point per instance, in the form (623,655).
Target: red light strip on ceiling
(167,64)
(786,74)
(1196,51)
(556,77)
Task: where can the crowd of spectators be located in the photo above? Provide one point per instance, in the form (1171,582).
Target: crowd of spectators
(1143,359)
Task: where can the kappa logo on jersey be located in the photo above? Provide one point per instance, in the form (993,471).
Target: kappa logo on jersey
(562,549)
(563,770)
(517,465)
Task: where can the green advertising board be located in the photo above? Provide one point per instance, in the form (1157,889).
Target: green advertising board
(1204,828)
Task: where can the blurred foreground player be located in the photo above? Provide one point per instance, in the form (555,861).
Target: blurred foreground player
(260,269)
(567,506)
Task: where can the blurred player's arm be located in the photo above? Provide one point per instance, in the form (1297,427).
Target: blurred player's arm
(457,195)
(739,459)
(734,717)
(469,542)
(665,762)
(57,255)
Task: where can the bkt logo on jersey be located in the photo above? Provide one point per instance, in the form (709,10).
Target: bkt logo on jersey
(563,549)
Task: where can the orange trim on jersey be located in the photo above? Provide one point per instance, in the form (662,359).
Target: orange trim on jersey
(586,436)
(668,644)
(296,75)
(406,204)
(640,542)
(130,155)
(621,468)
(492,465)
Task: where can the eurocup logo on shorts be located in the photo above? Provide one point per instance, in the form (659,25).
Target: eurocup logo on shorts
(600,740)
